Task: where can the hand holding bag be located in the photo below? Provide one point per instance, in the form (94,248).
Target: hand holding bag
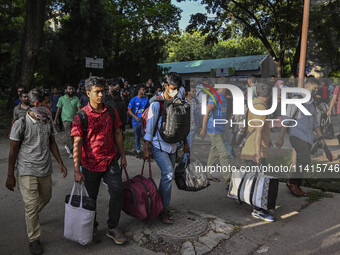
(79,216)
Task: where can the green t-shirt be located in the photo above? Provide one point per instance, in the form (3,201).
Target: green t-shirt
(69,107)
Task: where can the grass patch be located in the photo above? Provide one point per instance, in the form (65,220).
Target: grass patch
(316,195)
(129,141)
(237,228)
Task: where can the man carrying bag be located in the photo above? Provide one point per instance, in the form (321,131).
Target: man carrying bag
(96,136)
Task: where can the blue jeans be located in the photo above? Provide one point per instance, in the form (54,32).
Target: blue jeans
(137,129)
(191,137)
(166,162)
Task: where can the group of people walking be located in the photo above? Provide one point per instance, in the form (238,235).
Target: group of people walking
(94,135)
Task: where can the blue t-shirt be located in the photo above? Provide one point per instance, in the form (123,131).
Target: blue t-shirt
(18,101)
(54,99)
(138,106)
(219,112)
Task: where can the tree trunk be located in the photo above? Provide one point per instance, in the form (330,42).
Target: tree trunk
(31,42)
(278,64)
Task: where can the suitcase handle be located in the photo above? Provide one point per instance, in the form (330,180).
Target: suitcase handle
(150,172)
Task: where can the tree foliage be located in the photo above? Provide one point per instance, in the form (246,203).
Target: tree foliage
(273,22)
(194,46)
(11,27)
(325,27)
(127,34)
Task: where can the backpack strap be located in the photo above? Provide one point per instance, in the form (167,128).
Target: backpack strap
(22,128)
(161,100)
(161,104)
(112,115)
(84,122)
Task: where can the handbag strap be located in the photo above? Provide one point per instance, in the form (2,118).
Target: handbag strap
(251,193)
(82,189)
(150,172)
(70,199)
(127,176)
(81,195)
(187,159)
(239,189)
(85,190)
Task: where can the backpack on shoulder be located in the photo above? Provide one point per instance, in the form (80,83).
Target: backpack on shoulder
(175,125)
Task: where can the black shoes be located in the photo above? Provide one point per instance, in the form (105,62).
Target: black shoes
(117,235)
(35,247)
(139,155)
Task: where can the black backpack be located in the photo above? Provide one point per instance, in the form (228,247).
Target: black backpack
(84,120)
(175,125)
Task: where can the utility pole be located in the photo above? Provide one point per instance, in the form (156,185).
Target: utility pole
(304,40)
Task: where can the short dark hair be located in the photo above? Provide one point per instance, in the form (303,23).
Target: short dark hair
(68,85)
(142,86)
(272,76)
(312,80)
(35,95)
(116,81)
(94,81)
(23,92)
(263,90)
(173,78)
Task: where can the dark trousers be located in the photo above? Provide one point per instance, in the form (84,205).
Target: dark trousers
(113,178)
(303,158)
(59,121)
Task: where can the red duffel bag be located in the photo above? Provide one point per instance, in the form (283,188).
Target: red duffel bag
(141,198)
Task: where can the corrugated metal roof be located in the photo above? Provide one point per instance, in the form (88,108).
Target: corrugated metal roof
(203,66)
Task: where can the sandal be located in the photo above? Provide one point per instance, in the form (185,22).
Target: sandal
(214,179)
(296,190)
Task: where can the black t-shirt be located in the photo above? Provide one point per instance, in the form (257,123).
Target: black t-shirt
(119,105)
(149,92)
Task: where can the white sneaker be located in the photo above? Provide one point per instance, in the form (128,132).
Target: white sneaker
(70,155)
(67,149)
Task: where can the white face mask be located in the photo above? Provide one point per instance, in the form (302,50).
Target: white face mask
(172,93)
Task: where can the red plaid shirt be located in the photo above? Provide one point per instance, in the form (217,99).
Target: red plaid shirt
(99,147)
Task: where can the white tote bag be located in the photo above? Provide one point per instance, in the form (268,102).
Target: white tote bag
(78,224)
